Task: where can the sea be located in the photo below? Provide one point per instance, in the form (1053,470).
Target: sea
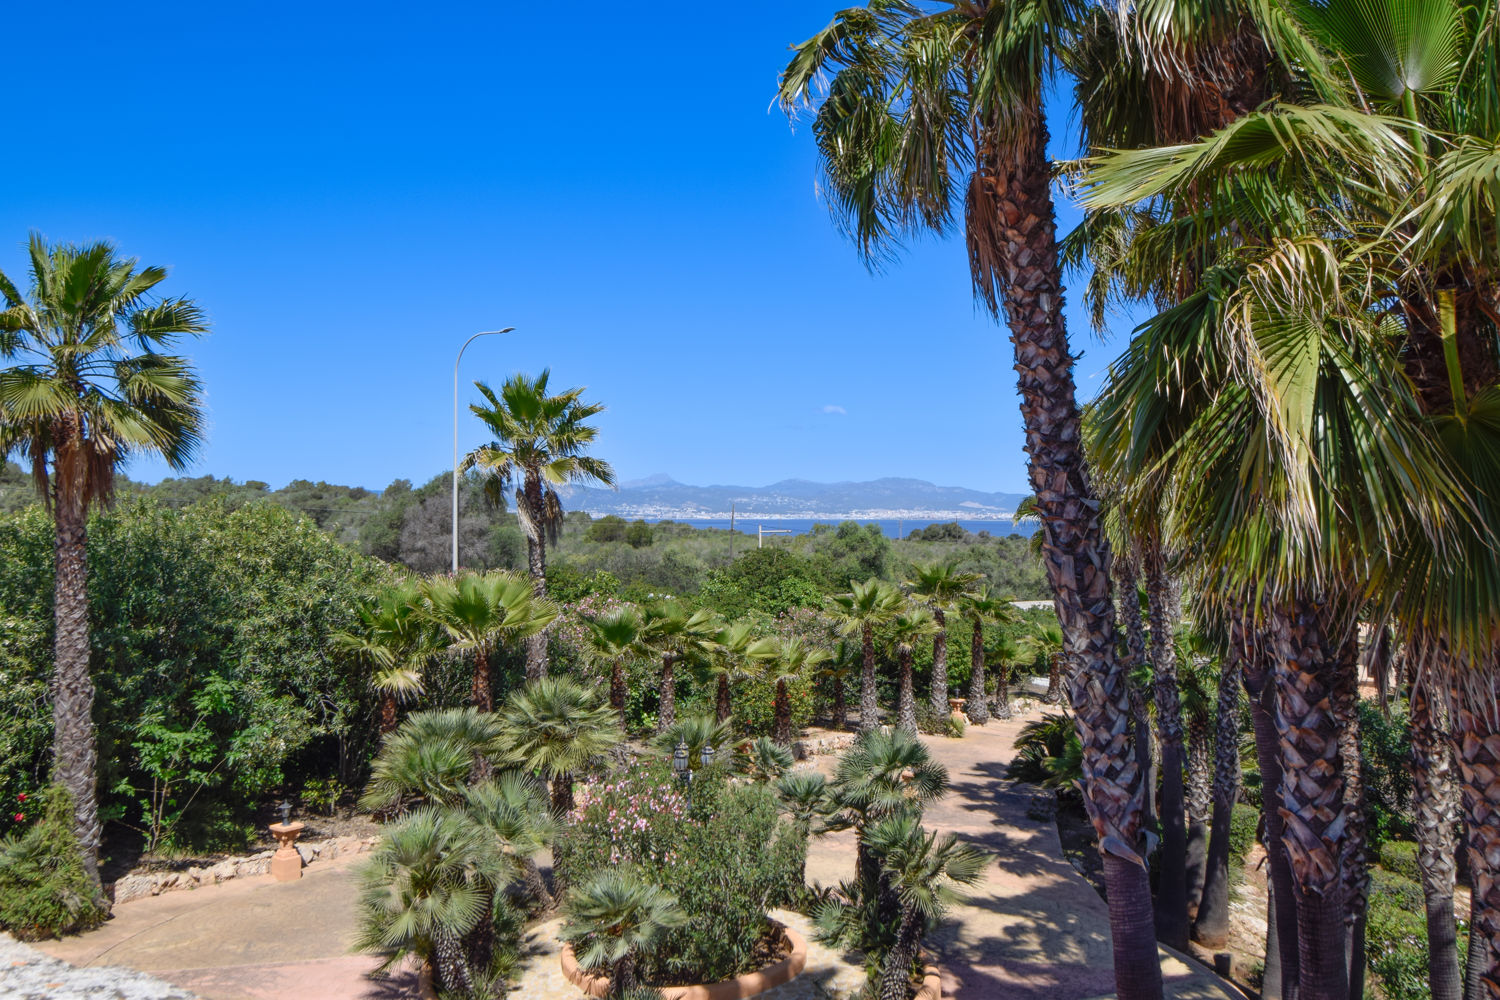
(899,528)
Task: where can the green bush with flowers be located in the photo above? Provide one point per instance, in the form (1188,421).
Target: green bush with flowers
(723,850)
(44,891)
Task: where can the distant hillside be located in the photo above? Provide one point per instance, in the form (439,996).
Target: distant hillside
(878,499)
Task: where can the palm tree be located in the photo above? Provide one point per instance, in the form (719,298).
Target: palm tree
(980,607)
(540,440)
(673,633)
(791,660)
(803,794)
(907,629)
(615,637)
(396,641)
(558,727)
(866,606)
(695,732)
(1198,686)
(479,612)
(734,648)
(1006,651)
(1211,924)
(924,870)
(1046,643)
(433,757)
(86,387)
(1435,805)
(427,890)
(513,808)
(924,104)
(836,670)
(943,587)
(616,916)
(884,773)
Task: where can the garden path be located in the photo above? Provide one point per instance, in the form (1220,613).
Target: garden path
(1033,929)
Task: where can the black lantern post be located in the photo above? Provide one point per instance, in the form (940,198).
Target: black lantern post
(681,767)
(706,758)
(286,812)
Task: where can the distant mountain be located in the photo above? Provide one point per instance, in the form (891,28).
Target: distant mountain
(662,497)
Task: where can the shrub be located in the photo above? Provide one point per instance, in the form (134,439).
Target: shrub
(755,705)
(1399,857)
(938,723)
(1385,755)
(1244,825)
(43,889)
(1396,937)
(727,856)
(1037,741)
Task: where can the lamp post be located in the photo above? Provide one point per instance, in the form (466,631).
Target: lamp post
(682,769)
(706,757)
(482,333)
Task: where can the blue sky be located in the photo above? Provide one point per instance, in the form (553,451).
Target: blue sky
(351,190)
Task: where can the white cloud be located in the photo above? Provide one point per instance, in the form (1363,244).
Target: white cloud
(835,408)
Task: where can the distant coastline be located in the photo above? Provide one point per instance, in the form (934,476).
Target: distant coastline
(891,527)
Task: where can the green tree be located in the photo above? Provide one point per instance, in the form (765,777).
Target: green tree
(859,612)
(396,641)
(981,608)
(614,917)
(736,648)
(540,443)
(673,633)
(791,659)
(480,611)
(513,809)
(615,638)
(942,587)
(903,633)
(87,386)
(558,727)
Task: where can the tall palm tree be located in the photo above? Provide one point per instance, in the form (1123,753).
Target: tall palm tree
(925,870)
(616,916)
(843,664)
(922,105)
(673,633)
(1047,643)
(1211,923)
(540,443)
(479,612)
(859,612)
(1006,651)
(559,727)
(85,387)
(735,648)
(943,587)
(792,659)
(615,638)
(903,633)
(980,607)
(396,641)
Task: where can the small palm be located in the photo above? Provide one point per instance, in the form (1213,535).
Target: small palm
(558,727)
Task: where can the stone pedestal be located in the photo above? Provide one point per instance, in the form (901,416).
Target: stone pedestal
(286,863)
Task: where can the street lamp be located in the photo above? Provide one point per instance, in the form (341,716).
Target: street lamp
(681,768)
(706,758)
(483,333)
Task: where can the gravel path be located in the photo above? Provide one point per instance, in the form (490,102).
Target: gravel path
(27,974)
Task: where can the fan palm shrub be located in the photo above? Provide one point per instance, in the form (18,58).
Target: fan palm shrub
(396,641)
(789,660)
(842,664)
(903,633)
(481,611)
(803,794)
(763,759)
(433,756)
(86,385)
(615,916)
(541,439)
(867,606)
(513,808)
(674,634)
(557,727)
(695,732)
(735,649)
(942,587)
(615,638)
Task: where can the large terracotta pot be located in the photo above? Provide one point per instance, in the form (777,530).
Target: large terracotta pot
(737,988)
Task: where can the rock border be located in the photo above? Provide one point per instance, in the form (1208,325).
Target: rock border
(138,886)
(738,988)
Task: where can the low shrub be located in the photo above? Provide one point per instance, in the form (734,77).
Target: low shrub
(1244,825)
(755,705)
(1399,857)
(43,889)
(1039,740)
(726,854)
(1396,937)
(938,723)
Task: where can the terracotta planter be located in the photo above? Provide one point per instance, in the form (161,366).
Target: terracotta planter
(932,981)
(737,988)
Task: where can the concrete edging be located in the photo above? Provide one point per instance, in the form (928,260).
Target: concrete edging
(738,988)
(932,981)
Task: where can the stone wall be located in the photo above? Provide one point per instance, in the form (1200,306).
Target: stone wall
(139,884)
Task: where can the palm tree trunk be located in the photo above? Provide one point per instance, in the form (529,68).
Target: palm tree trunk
(536,886)
(1312,795)
(1054,678)
(1256,676)
(1129,608)
(666,711)
(1211,925)
(617,691)
(782,716)
(895,971)
(562,794)
(721,699)
(939,697)
(906,700)
(450,965)
(622,976)
(1171,887)
(869,705)
(1011,230)
(1200,776)
(1002,689)
(1435,809)
(536,561)
(1354,872)
(979,712)
(482,691)
(75,754)
(1479,766)
(387,713)
(1271,978)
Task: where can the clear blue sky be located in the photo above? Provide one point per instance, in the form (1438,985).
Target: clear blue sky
(350,190)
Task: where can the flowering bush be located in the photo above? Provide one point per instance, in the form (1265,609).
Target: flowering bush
(725,853)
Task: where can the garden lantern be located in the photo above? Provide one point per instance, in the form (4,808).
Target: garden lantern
(680,763)
(706,758)
(286,812)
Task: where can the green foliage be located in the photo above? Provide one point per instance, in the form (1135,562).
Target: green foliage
(322,794)
(1244,830)
(1040,741)
(763,760)
(44,891)
(755,705)
(1399,857)
(727,857)
(1396,937)
(938,723)
(1385,755)
(615,916)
